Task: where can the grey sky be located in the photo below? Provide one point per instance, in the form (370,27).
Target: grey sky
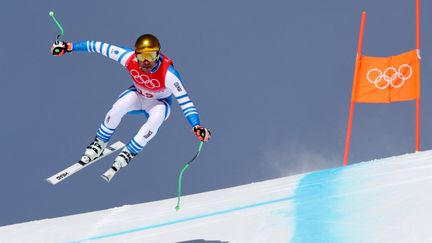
(271,79)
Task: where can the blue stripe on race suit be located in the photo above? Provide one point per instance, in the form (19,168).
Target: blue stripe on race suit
(190,113)
(102,137)
(139,112)
(103,134)
(80,46)
(167,99)
(107,128)
(187,102)
(182,96)
(167,102)
(102,45)
(189,109)
(107,53)
(122,55)
(94,46)
(136,145)
(193,119)
(166,109)
(174,71)
(101,131)
(131,149)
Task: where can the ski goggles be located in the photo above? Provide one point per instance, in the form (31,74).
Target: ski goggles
(148,55)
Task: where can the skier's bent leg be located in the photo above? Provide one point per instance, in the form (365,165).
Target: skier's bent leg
(157,115)
(126,103)
(136,145)
(112,119)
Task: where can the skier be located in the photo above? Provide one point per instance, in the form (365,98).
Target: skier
(154,82)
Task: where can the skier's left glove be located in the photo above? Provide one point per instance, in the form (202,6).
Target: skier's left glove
(202,133)
(59,48)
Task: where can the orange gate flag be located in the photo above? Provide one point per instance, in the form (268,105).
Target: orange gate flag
(387,79)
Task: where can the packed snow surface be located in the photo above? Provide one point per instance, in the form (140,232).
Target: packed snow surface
(387,200)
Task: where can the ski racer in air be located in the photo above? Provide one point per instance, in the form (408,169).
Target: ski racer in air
(155,81)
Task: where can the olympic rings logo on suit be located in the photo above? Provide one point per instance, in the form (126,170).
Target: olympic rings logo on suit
(386,80)
(145,80)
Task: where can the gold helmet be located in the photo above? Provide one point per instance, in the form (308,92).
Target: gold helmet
(147,47)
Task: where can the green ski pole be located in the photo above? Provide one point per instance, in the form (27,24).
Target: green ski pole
(181,175)
(51,13)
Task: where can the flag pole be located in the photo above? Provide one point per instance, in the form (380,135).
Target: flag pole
(418,89)
(352,105)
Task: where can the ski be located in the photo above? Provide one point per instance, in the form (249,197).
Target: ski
(60,176)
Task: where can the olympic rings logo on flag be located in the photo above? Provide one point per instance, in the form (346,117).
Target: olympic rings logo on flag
(382,80)
(145,80)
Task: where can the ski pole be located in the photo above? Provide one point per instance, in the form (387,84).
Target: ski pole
(181,174)
(51,13)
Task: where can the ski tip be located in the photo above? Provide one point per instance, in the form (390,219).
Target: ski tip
(49,181)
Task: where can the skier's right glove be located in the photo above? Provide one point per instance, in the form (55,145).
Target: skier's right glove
(59,48)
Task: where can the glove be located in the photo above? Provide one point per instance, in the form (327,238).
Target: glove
(202,133)
(59,48)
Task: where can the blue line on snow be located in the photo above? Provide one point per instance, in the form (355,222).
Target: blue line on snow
(206,215)
(316,206)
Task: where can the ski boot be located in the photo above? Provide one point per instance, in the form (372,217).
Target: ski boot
(93,151)
(122,160)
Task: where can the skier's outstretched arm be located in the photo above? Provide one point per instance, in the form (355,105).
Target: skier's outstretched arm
(116,53)
(174,83)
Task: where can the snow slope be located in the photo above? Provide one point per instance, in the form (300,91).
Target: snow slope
(387,200)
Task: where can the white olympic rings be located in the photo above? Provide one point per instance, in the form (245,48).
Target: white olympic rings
(389,80)
(145,80)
